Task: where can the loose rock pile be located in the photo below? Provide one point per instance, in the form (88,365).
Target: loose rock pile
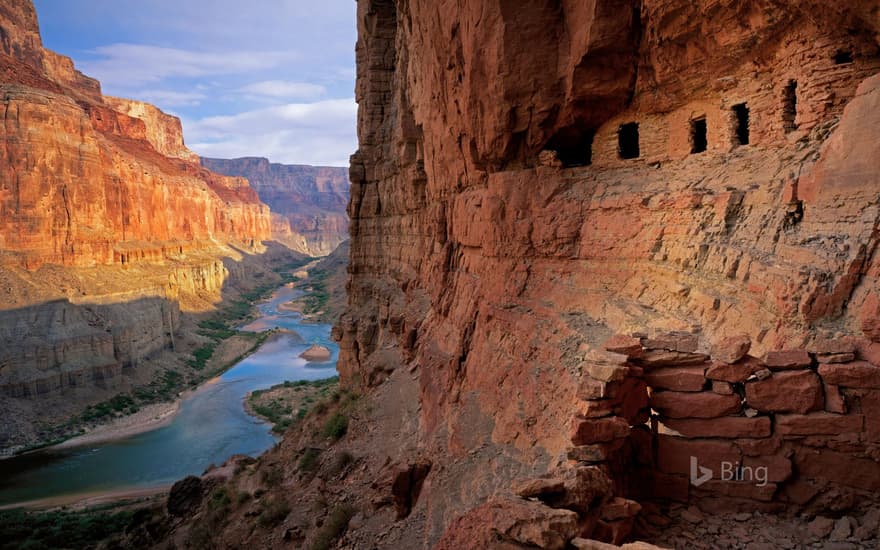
(690,528)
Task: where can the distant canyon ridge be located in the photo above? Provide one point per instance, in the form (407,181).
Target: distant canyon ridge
(307,203)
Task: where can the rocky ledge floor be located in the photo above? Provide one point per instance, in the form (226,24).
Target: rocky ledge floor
(690,528)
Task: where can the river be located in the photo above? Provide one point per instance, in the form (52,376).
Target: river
(210,426)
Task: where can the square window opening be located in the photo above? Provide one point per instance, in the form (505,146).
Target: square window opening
(699,135)
(741,130)
(628,141)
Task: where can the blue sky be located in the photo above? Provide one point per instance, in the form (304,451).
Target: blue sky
(271,78)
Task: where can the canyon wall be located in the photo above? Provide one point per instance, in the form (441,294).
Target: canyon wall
(164,132)
(109,226)
(308,202)
(87,181)
(535,177)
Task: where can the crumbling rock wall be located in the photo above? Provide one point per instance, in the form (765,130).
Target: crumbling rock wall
(499,235)
(794,430)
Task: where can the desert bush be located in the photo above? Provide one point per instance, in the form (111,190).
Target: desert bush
(273,475)
(274,512)
(341,462)
(336,426)
(309,460)
(44,530)
(334,526)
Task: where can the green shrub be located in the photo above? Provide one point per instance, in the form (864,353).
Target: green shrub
(44,530)
(201,356)
(219,499)
(272,475)
(341,462)
(336,426)
(281,426)
(334,526)
(309,460)
(273,513)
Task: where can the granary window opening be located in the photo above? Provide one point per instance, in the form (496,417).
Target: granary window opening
(628,141)
(789,106)
(699,135)
(741,121)
(573,146)
(842,57)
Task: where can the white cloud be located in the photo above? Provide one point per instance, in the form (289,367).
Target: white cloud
(321,133)
(171,98)
(136,64)
(283,89)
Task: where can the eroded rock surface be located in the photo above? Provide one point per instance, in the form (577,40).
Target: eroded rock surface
(713,173)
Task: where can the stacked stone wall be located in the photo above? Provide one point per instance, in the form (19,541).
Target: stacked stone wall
(793,430)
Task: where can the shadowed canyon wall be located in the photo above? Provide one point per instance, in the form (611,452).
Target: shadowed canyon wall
(308,202)
(535,177)
(109,226)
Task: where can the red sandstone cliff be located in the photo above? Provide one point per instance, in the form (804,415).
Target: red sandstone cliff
(308,202)
(493,268)
(108,228)
(89,181)
(532,178)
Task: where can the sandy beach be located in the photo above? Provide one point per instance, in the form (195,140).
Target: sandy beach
(148,418)
(88,500)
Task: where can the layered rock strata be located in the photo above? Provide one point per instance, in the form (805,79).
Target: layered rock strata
(86,181)
(308,202)
(109,226)
(533,178)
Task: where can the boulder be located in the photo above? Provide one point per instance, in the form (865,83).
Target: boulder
(519,523)
(185,497)
(620,508)
(585,487)
(672,341)
(667,358)
(858,374)
(788,359)
(695,405)
(687,379)
(819,423)
(836,357)
(732,348)
(795,391)
(599,430)
(821,527)
(832,346)
(625,345)
(539,487)
(734,372)
(725,426)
